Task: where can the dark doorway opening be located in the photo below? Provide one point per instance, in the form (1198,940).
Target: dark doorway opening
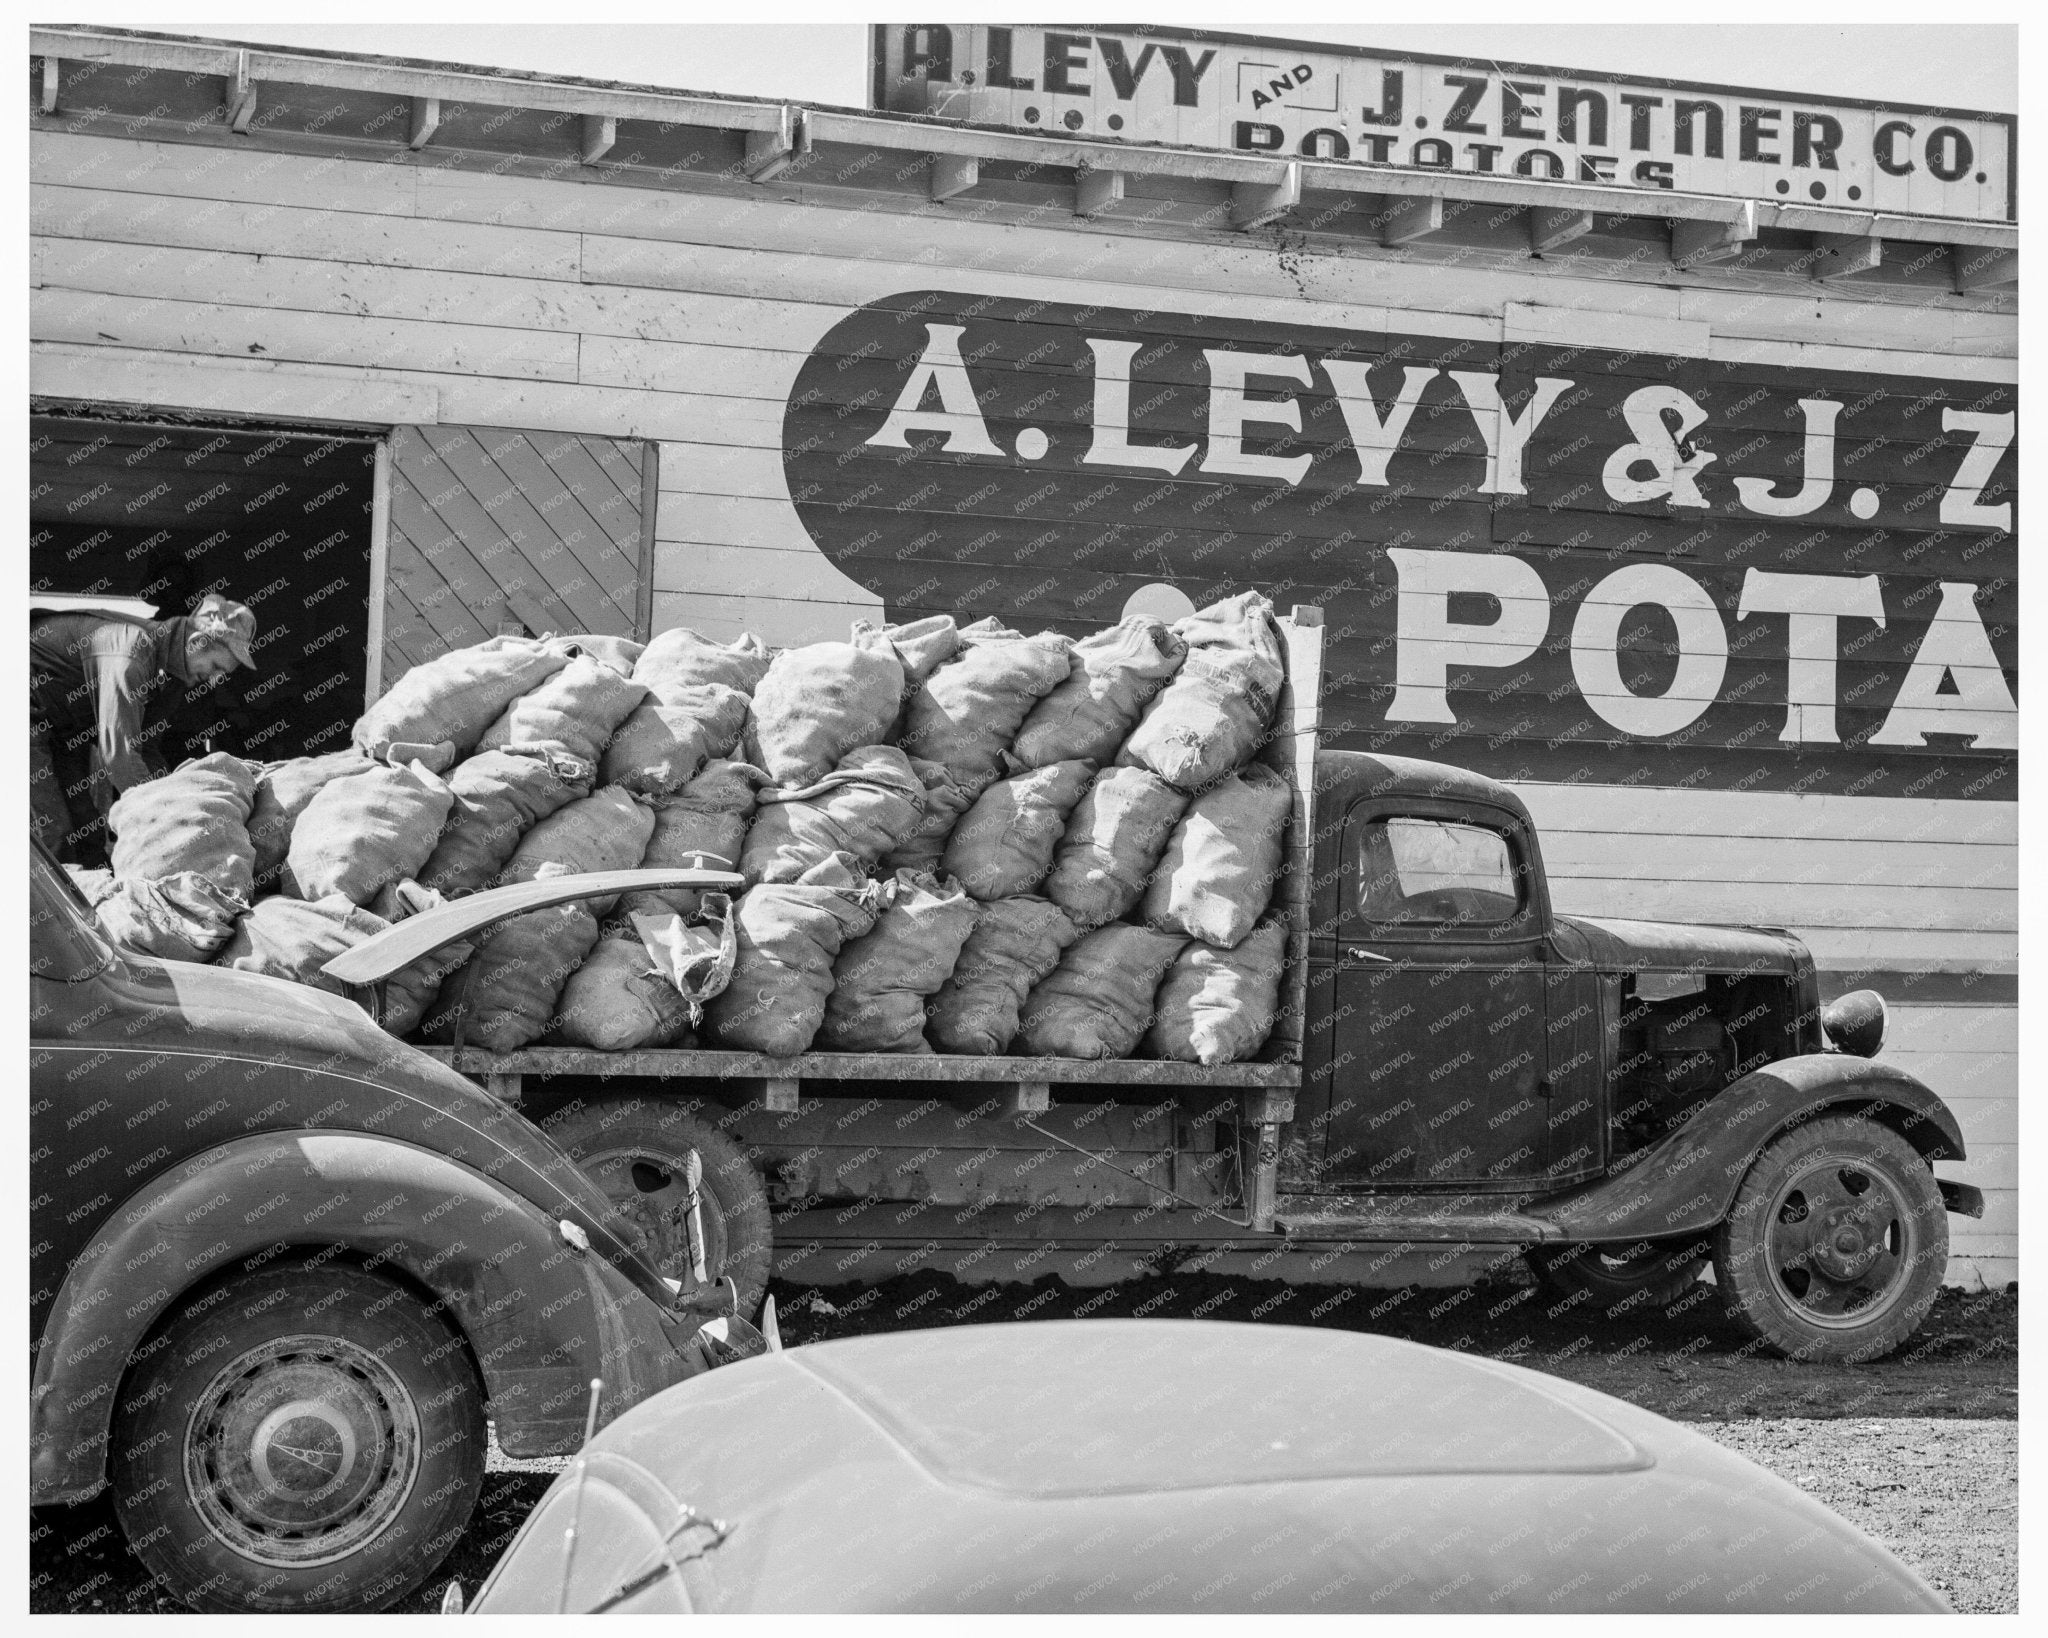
(278,519)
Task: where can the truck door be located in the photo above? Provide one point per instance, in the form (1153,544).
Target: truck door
(1440,1000)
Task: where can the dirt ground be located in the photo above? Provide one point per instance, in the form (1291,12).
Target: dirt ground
(1919,1449)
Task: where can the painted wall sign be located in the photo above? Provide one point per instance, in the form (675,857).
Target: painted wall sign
(1205,90)
(1541,561)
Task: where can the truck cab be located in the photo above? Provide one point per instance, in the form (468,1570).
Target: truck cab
(1477,1040)
(1631,1097)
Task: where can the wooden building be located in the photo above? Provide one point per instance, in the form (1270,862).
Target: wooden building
(1691,515)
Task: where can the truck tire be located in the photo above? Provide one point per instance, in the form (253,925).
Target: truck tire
(299,1440)
(1836,1244)
(638,1151)
(1618,1281)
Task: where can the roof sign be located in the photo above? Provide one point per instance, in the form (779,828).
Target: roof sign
(1197,89)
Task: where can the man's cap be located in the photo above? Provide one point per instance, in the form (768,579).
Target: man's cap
(229,623)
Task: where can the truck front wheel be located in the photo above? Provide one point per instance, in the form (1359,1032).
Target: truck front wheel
(1618,1281)
(638,1151)
(1835,1246)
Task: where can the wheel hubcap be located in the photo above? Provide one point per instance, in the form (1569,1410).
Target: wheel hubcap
(1841,1242)
(302,1451)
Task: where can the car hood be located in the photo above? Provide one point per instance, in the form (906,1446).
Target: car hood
(1679,946)
(1118,1465)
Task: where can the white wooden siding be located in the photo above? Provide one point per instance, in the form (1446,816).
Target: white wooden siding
(326,289)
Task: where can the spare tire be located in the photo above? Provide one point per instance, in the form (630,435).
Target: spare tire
(637,1151)
(1619,1281)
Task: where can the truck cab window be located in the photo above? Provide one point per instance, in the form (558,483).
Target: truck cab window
(1434,870)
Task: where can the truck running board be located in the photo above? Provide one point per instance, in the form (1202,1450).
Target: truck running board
(1429,1219)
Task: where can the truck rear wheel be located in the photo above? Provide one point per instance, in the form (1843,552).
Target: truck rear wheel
(299,1440)
(1617,1281)
(638,1153)
(1835,1246)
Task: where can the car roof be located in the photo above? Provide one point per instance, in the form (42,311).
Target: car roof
(996,1407)
(1173,1465)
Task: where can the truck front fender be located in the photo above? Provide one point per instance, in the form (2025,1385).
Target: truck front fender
(1685,1182)
(541,1316)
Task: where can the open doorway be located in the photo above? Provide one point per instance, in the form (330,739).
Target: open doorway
(280,519)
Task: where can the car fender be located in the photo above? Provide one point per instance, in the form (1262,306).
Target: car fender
(1685,1182)
(541,1315)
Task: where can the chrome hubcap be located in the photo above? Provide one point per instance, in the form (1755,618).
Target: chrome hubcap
(302,1451)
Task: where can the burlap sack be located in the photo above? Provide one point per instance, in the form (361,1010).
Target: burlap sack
(573,713)
(1005,845)
(607,830)
(1218,1006)
(866,806)
(882,980)
(364,831)
(620,653)
(970,708)
(1091,714)
(705,823)
(819,702)
(923,646)
(499,796)
(1097,1003)
(440,708)
(194,818)
(671,734)
(93,885)
(1220,705)
(180,917)
(945,800)
(681,658)
(1223,860)
(1015,943)
(694,953)
(788,935)
(282,791)
(1112,845)
(618,1000)
(295,938)
(409,992)
(504,996)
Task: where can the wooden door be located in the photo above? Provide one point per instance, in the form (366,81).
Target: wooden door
(494,529)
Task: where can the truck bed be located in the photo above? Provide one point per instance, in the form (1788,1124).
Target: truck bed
(713,1064)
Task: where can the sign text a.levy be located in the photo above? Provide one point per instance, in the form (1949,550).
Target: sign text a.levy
(1194,88)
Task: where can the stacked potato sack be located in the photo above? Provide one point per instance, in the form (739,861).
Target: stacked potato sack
(955,838)
(848,804)
(1185,836)
(184,867)
(650,728)
(514,759)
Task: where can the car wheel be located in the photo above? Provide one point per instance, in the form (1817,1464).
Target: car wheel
(638,1153)
(1617,1281)
(1835,1246)
(299,1440)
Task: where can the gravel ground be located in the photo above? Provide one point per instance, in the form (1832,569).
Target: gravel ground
(1941,1493)
(1933,1473)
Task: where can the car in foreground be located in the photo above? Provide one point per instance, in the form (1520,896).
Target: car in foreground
(284,1266)
(1170,1466)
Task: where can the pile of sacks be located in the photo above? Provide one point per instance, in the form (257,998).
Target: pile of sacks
(960,839)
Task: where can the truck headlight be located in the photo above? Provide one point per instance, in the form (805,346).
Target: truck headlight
(1856,1022)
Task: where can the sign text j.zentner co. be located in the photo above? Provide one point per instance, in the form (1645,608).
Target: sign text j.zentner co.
(1325,102)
